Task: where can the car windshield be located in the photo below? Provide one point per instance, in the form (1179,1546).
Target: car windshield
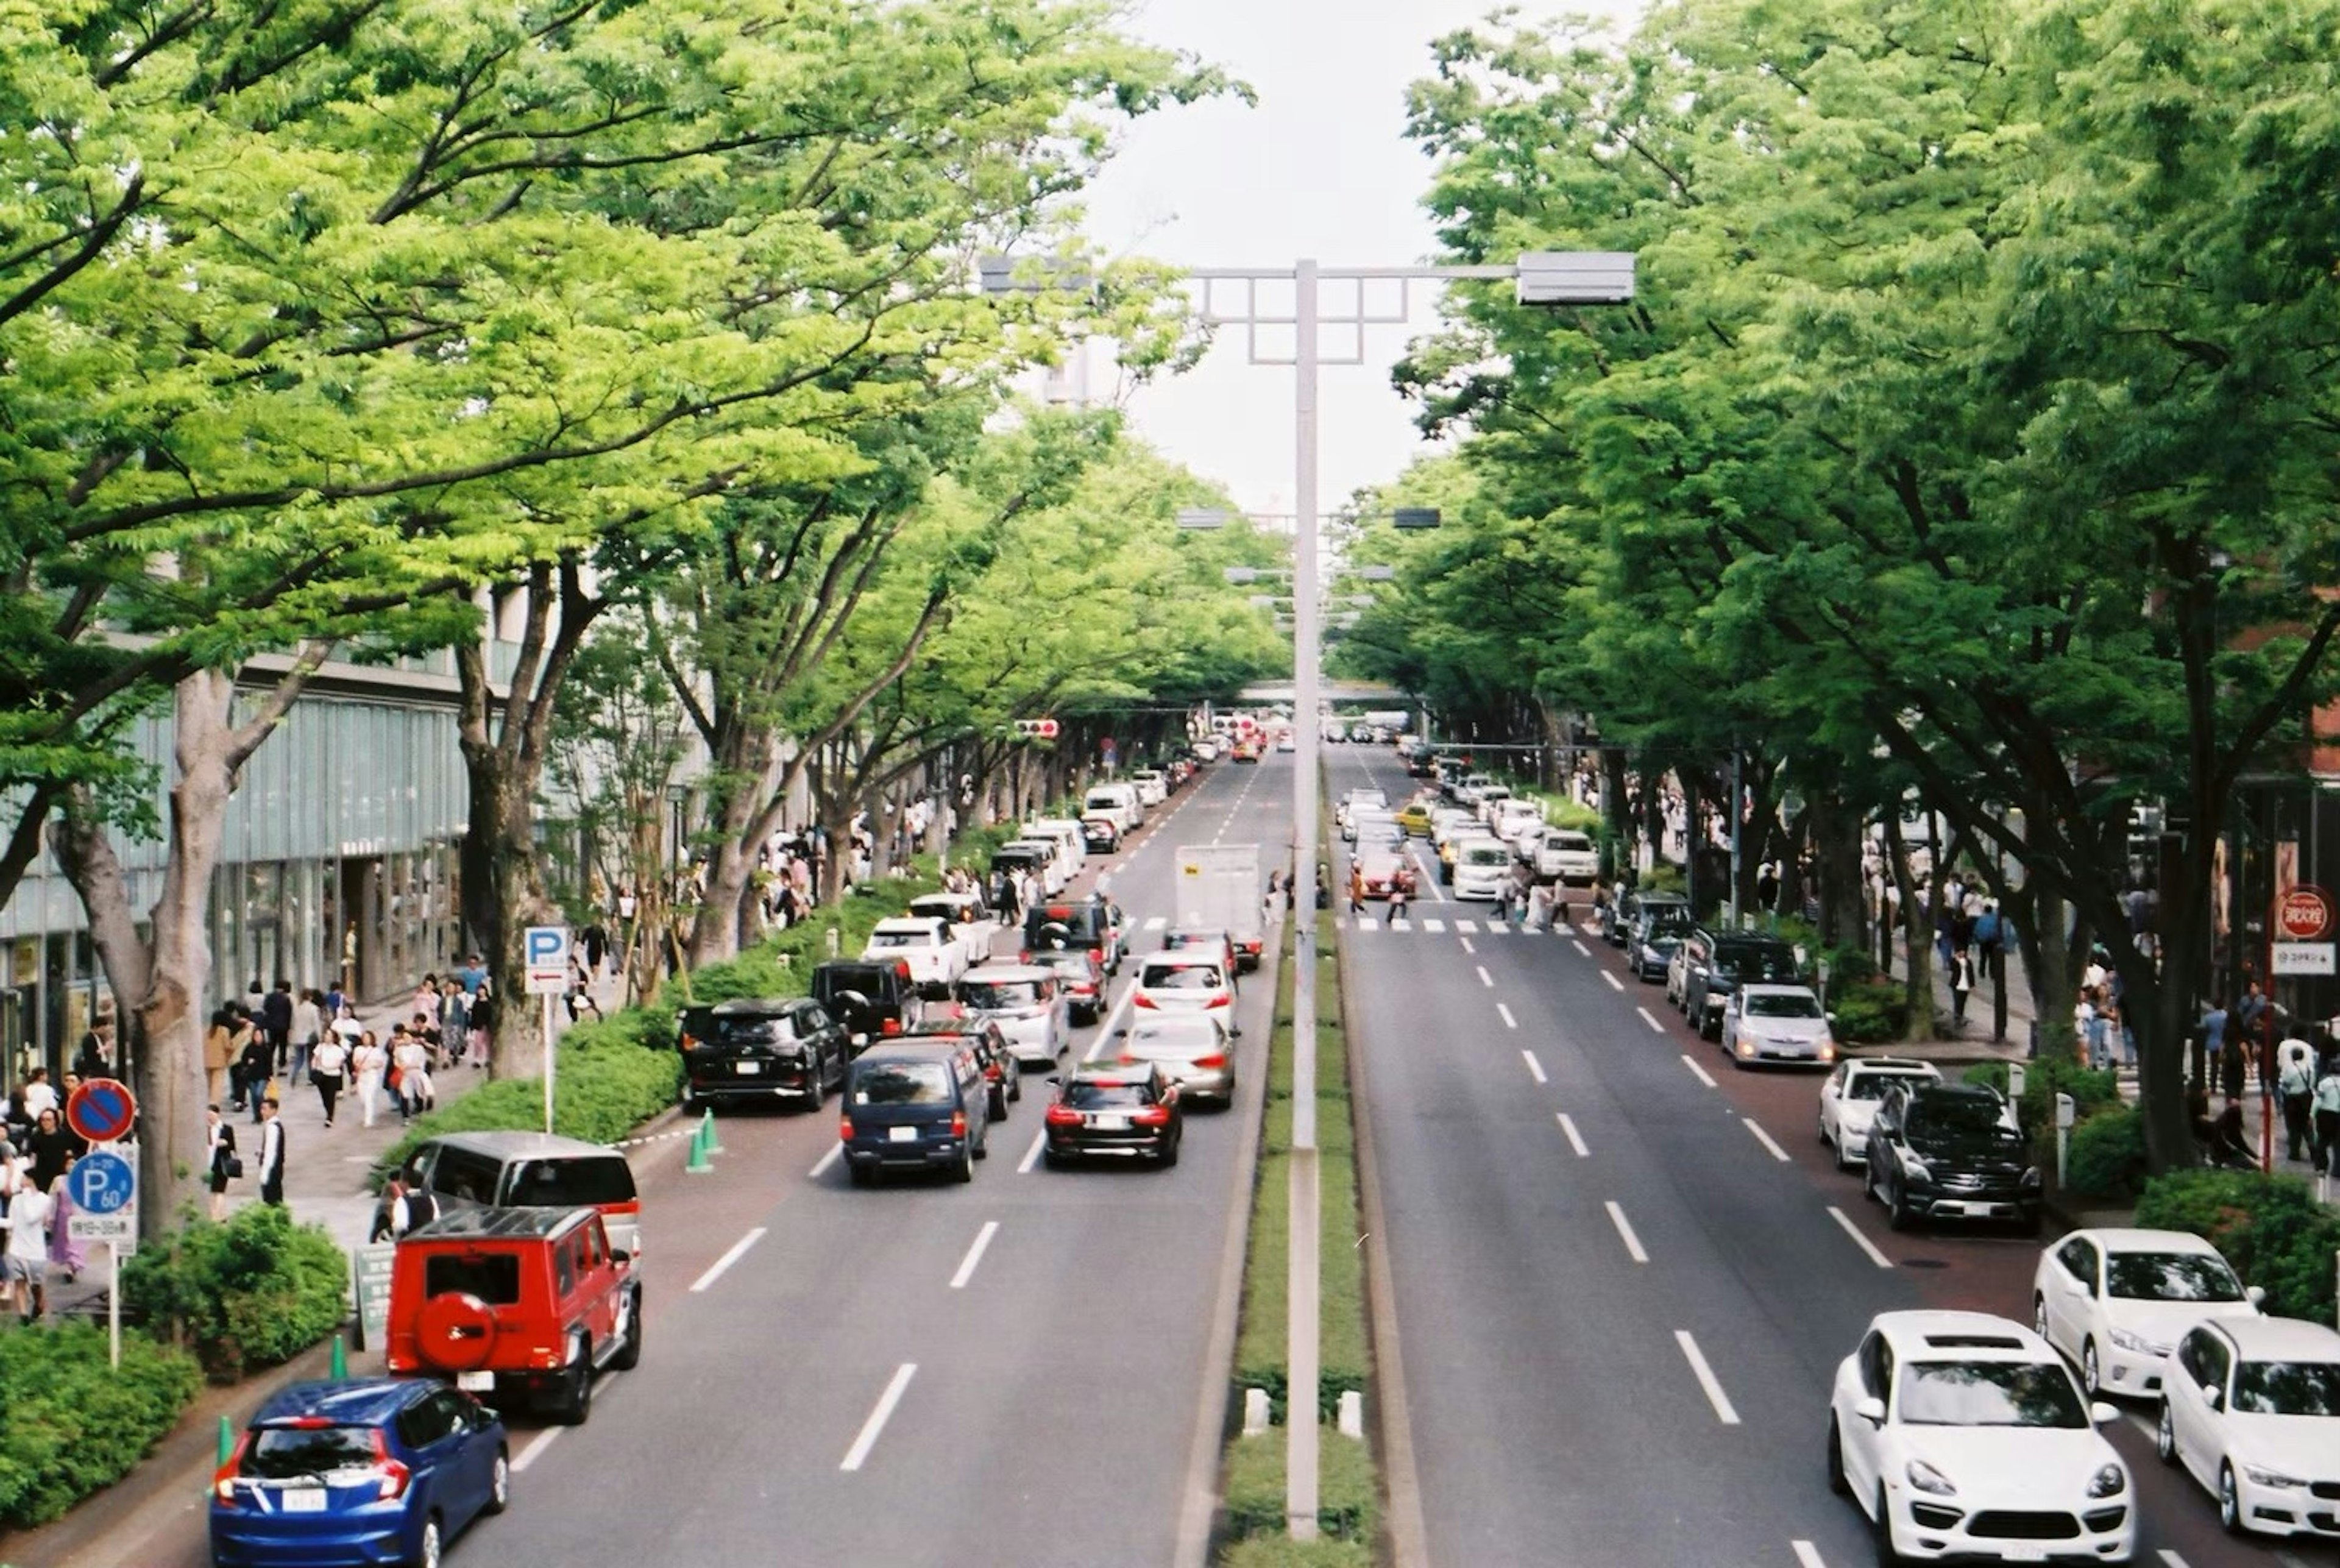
(1076,965)
(1754,961)
(1773,1005)
(2170,1277)
(1872,1085)
(1573,843)
(1099,1094)
(1989,1394)
(1962,1114)
(493,1277)
(1180,978)
(1175,1035)
(900,939)
(284,1453)
(1486,855)
(573,1183)
(999,994)
(2288,1388)
(748,1032)
(900,1084)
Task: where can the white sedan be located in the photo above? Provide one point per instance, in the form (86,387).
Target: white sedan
(936,956)
(2115,1301)
(1962,1435)
(2253,1413)
(1848,1100)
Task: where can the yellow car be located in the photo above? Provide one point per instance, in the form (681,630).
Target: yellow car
(1415,818)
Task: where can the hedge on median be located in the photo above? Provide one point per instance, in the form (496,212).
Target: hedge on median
(71,1424)
(2270,1227)
(252,1293)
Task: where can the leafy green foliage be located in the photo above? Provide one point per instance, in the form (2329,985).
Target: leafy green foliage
(74,1424)
(249,1293)
(2106,1158)
(1870,1012)
(2271,1228)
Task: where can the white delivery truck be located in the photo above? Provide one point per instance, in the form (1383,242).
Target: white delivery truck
(1220,888)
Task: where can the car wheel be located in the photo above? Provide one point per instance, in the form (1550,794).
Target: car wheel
(1053,1160)
(427,1546)
(629,1352)
(498,1484)
(2039,1315)
(2091,1374)
(964,1172)
(1836,1479)
(577,1400)
(2164,1436)
(1881,1531)
(2031,1221)
(1016,1091)
(813,1101)
(859,1174)
(1897,1212)
(1169,1156)
(995,1102)
(2230,1501)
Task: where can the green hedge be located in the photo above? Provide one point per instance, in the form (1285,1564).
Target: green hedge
(2107,1154)
(2271,1228)
(249,1293)
(615,1074)
(71,1424)
(1870,1012)
(2043,1080)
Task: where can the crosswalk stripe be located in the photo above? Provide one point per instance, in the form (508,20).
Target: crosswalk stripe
(1434,926)
(1400,925)
(1157,922)
(1466,926)
(1367,923)
(1497,928)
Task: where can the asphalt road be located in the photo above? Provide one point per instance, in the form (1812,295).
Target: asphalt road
(1625,1273)
(1017,1370)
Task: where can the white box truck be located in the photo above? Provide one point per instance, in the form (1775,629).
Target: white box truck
(1220,888)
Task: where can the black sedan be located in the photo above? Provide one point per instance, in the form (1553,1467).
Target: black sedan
(1128,1112)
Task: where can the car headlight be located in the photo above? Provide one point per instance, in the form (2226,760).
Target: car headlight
(2134,1342)
(1926,1479)
(2262,1476)
(2032,1176)
(2109,1481)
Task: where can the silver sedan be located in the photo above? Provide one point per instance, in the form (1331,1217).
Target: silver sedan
(1193,1052)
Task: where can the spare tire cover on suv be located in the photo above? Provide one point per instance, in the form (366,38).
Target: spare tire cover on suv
(455,1331)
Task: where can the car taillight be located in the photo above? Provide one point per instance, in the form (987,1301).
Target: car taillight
(1152,1116)
(845,1129)
(1220,1000)
(902,967)
(958,1124)
(223,1478)
(394,1476)
(1215,1061)
(1062,1115)
(1025,956)
(1097,953)
(994,1070)
(1142,1000)
(889,1025)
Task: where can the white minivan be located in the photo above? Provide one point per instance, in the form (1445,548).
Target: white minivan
(1152,787)
(1482,869)
(1120,800)
(1072,844)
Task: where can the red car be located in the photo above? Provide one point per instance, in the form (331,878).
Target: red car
(1082,982)
(1384,874)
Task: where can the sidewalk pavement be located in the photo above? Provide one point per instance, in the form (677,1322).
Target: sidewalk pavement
(326,1169)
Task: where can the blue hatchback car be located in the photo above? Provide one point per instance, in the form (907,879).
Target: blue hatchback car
(373,1471)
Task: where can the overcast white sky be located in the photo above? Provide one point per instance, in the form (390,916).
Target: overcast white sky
(1319,169)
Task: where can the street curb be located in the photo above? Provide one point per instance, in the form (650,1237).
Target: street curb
(1406,1531)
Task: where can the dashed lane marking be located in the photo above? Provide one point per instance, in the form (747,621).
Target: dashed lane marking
(974,1254)
(1582,950)
(1650,1018)
(1765,1138)
(715,1270)
(1844,1221)
(868,1440)
(1614,982)
(1509,1022)
(1485,979)
(1706,1378)
(1575,1139)
(1625,1232)
(1535,1068)
(1466,944)
(1032,1154)
(1808,1555)
(1697,1071)
(820,1167)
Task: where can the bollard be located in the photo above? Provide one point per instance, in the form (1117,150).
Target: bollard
(1352,1415)
(340,1368)
(710,1139)
(226,1441)
(1258,1414)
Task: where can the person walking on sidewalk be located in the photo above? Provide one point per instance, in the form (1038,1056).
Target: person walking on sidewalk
(64,1252)
(219,1054)
(2296,1087)
(1962,979)
(25,1263)
(368,1060)
(276,1021)
(271,1154)
(308,1028)
(259,1063)
(328,1060)
(2327,1119)
(222,1163)
(411,1058)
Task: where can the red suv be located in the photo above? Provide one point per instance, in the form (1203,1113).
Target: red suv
(517,1306)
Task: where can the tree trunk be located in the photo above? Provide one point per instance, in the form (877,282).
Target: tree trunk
(502,894)
(1916,933)
(1836,844)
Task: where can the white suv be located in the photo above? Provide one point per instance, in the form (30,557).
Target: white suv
(1187,981)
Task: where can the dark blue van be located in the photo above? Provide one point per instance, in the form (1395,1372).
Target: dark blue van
(915,1107)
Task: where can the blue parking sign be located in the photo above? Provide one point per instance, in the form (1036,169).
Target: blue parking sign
(102,1183)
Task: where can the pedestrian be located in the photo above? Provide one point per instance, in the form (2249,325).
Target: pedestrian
(403,1208)
(276,1017)
(1356,888)
(1539,908)
(1962,979)
(482,1020)
(2084,1027)
(410,1059)
(2295,1086)
(2250,1018)
(64,1252)
(258,1058)
(455,1021)
(39,1095)
(25,1262)
(89,1061)
(2231,1063)
(271,1154)
(308,1028)
(328,1060)
(49,1149)
(426,994)
(2328,1117)
(223,1164)
(368,1061)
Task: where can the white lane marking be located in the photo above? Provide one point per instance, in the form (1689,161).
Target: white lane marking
(1625,1232)
(1485,979)
(1509,1022)
(1367,923)
(1575,1139)
(535,1449)
(1157,922)
(1466,944)
(2172,1559)
(1765,1139)
(1582,950)
(1466,926)
(1104,1031)
(1589,928)
(1650,1018)
(1032,1154)
(1808,1555)
(1858,1240)
(1697,1070)
(1496,929)
(1614,982)
(1434,926)
(878,1417)
(1396,924)
(739,1250)
(974,1254)
(1535,1068)
(820,1167)
(1706,1378)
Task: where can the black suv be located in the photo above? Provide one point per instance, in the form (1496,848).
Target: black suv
(787,1049)
(1952,1151)
(1716,962)
(870,999)
(1061,924)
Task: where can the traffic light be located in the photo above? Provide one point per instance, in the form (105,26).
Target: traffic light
(1036,729)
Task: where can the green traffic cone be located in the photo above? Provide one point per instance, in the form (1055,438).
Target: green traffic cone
(340,1368)
(698,1163)
(708,1136)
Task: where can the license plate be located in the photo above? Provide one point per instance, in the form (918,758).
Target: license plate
(303,1500)
(1111,1124)
(2023,1554)
(902,1134)
(747,1069)
(475,1382)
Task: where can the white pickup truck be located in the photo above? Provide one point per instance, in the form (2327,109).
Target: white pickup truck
(935,954)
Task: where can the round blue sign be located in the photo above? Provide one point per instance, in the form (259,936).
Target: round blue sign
(102,1183)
